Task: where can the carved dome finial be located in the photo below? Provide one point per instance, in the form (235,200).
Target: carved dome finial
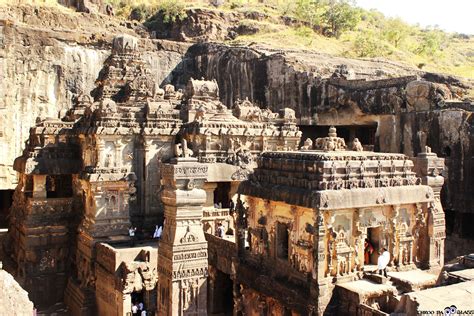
(332,132)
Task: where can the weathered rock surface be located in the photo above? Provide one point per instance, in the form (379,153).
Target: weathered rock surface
(13,299)
(48,57)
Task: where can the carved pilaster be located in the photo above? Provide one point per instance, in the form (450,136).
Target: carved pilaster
(182,255)
(429,168)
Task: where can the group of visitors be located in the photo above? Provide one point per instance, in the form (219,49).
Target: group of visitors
(138,309)
(132,233)
(383,259)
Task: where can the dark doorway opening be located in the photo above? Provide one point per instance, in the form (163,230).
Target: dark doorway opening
(374,235)
(282,241)
(6,200)
(58,186)
(221,195)
(221,296)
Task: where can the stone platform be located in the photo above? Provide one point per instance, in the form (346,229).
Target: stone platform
(414,280)
(437,299)
(464,275)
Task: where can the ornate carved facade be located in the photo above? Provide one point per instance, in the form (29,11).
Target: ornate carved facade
(86,178)
(309,212)
(133,154)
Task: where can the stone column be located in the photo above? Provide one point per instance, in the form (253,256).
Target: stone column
(182,255)
(429,168)
(209,187)
(100,152)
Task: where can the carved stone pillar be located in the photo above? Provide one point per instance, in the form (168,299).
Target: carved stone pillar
(182,255)
(100,152)
(429,168)
(118,150)
(321,262)
(209,188)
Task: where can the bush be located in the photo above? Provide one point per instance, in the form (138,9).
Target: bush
(369,45)
(432,42)
(172,11)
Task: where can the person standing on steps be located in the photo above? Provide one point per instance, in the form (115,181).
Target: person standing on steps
(383,261)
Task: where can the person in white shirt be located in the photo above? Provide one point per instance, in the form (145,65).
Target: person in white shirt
(383,261)
(134,309)
(140,306)
(158,231)
(131,234)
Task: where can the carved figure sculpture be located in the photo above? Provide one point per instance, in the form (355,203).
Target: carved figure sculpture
(308,144)
(356,145)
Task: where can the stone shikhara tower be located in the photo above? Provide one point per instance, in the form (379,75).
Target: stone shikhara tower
(182,254)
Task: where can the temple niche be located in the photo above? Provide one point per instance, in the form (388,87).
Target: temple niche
(328,203)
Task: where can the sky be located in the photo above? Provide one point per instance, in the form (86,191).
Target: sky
(451,16)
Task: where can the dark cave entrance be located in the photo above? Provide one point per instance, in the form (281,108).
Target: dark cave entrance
(365,133)
(6,200)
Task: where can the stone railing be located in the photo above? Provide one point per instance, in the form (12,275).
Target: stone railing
(213,216)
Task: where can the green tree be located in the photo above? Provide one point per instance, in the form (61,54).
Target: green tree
(396,31)
(341,15)
(309,11)
(432,42)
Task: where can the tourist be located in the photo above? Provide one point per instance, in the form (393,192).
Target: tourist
(143,313)
(368,250)
(140,307)
(383,261)
(158,231)
(220,231)
(131,234)
(135,309)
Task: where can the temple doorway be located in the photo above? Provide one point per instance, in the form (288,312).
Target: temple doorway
(374,235)
(221,195)
(137,298)
(220,295)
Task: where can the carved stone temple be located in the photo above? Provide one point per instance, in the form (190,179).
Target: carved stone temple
(255,220)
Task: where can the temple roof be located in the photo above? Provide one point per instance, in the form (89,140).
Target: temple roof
(336,179)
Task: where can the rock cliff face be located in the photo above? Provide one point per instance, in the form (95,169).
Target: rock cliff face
(45,64)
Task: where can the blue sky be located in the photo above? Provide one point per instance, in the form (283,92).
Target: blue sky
(451,16)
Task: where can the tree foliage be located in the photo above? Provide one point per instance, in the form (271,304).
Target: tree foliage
(368,44)
(432,42)
(309,11)
(341,16)
(396,31)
